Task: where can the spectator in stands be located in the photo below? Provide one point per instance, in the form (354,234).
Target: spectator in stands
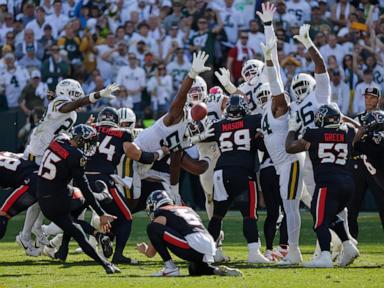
(55,68)
(7,26)
(29,61)
(71,44)
(34,93)
(28,13)
(255,37)
(33,119)
(231,21)
(47,40)
(103,51)
(238,55)
(149,65)
(178,68)
(57,18)
(29,39)
(144,36)
(130,31)
(117,57)
(170,43)
(300,9)
(340,91)
(175,17)
(350,76)
(132,78)
(340,12)
(122,99)
(9,41)
(160,89)
(358,101)
(37,25)
(332,48)
(140,50)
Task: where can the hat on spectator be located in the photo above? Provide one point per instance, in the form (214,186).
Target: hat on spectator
(6,49)
(9,56)
(372,91)
(35,74)
(290,60)
(166,3)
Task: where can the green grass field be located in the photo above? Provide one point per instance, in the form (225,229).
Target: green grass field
(18,270)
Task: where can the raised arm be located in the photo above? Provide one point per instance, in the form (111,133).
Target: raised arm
(92,98)
(279,103)
(323,83)
(175,113)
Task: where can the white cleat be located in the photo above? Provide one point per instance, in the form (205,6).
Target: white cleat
(78,250)
(324,260)
(220,257)
(269,255)
(27,245)
(293,257)
(167,272)
(41,237)
(49,251)
(348,254)
(255,256)
(226,271)
(279,253)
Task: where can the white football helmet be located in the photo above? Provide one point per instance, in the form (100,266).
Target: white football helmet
(262,95)
(198,91)
(127,118)
(302,85)
(252,68)
(69,87)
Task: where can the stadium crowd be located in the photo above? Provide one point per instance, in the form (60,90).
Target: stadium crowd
(147,46)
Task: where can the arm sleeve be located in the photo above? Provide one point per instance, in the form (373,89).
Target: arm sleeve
(269,36)
(82,182)
(323,88)
(307,135)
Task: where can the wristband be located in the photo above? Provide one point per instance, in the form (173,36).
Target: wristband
(268,23)
(160,153)
(92,98)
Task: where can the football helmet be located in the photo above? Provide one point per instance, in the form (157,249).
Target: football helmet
(262,95)
(373,121)
(328,116)
(302,85)
(86,139)
(155,200)
(198,91)
(69,87)
(108,117)
(127,118)
(252,68)
(236,107)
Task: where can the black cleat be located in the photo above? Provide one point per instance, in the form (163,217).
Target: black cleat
(124,260)
(105,244)
(111,269)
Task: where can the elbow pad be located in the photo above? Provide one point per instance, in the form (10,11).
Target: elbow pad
(147,157)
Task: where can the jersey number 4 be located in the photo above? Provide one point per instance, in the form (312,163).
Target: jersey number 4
(241,139)
(106,148)
(336,153)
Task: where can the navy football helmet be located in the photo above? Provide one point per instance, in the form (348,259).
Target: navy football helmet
(108,117)
(236,107)
(86,139)
(157,199)
(328,116)
(373,121)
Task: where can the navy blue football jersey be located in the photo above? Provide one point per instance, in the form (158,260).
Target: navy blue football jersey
(109,151)
(181,218)
(236,141)
(330,150)
(15,171)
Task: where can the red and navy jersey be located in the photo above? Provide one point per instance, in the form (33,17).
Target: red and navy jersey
(330,151)
(15,171)
(62,163)
(181,218)
(109,151)
(236,141)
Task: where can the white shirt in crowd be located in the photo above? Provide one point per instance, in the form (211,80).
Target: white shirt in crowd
(161,89)
(231,21)
(39,30)
(254,41)
(178,72)
(149,41)
(58,21)
(358,99)
(132,79)
(300,10)
(337,51)
(378,75)
(117,60)
(13,83)
(340,94)
(104,67)
(169,43)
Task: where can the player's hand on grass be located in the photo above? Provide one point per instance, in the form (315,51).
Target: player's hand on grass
(225,80)
(198,64)
(268,11)
(105,222)
(303,36)
(142,247)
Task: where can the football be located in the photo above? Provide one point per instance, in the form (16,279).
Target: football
(199,111)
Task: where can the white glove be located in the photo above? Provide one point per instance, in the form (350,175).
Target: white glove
(225,80)
(209,131)
(294,124)
(268,11)
(105,93)
(175,195)
(268,48)
(303,36)
(198,64)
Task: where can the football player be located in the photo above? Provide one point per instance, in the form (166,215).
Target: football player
(63,161)
(330,147)
(180,230)
(170,129)
(59,117)
(275,130)
(234,172)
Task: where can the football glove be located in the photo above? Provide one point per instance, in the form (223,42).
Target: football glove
(303,36)
(198,64)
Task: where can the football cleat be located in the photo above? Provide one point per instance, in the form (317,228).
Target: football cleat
(324,260)
(348,254)
(49,251)
(220,257)
(293,257)
(269,255)
(124,260)
(78,250)
(167,272)
(279,253)
(111,269)
(27,245)
(226,271)
(255,256)
(41,237)
(105,243)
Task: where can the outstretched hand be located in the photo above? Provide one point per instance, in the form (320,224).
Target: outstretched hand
(303,36)
(198,64)
(268,11)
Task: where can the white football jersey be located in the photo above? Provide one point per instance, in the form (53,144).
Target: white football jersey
(14,81)
(53,123)
(214,103)
(275,132)
(151,139)
(249,89)
(305,110)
